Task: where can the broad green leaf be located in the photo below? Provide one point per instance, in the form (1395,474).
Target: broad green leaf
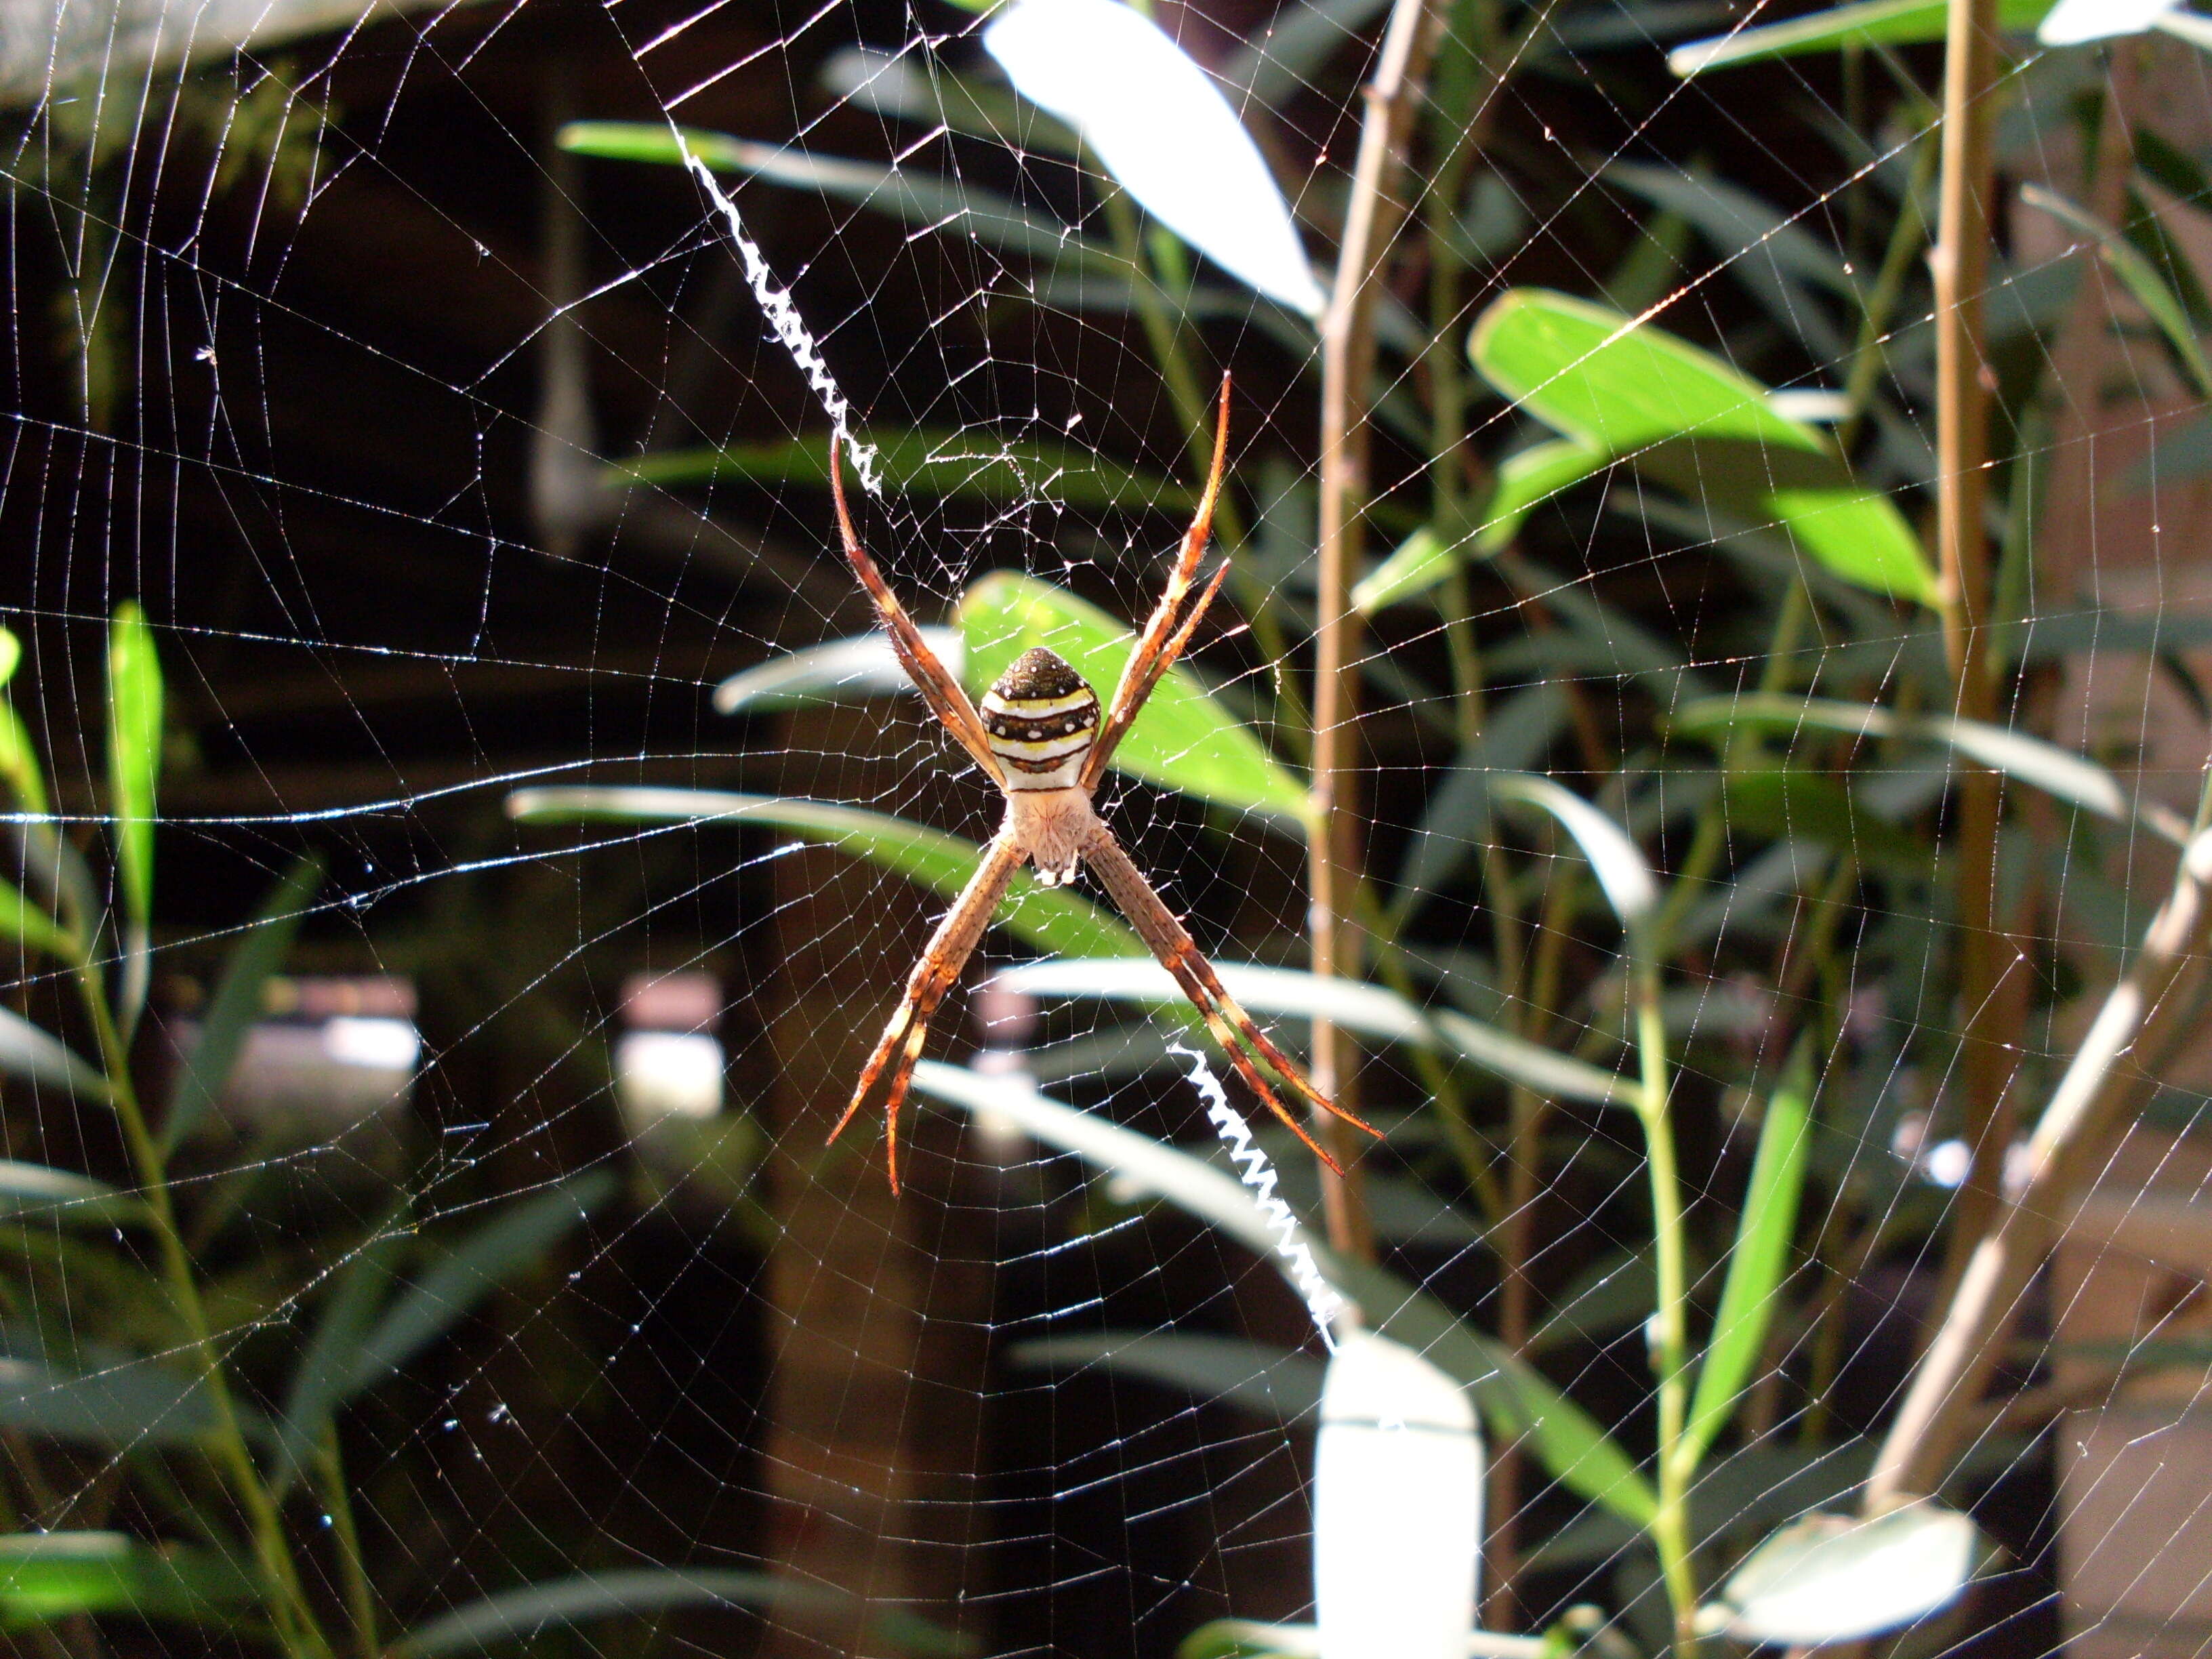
(516,1238)
(842,671)
(37,1056)
(326,1370)
(134,755)
(2029,760)
(2142,277)
(237,1001)
(35,1192)
(1053,919)
(970,463)
(1870,23)
(1840,1578)
(907,194)
(1525,481)
(1273,1383)
(1368,1009)
(1183,740)
(1517,1400)
(1619,867)
(121,1401)
(1687,418)
(525,1616)
(50,1575)
(30,926)
(1760,1255)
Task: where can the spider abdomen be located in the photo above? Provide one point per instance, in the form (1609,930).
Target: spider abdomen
(1042,718)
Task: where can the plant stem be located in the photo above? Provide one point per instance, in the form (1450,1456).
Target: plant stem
(1670,1527)
(293,1617)
(360,1598)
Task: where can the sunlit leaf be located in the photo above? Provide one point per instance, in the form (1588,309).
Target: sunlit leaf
(1183,740)
(11,655)
(973,463)
(908,195)
(1160,125)
(19,763)
(2074,22)
(1525,481)
(2139,274)
(1051,918)
(526,1615)
(1368,1009)
(1696,424)
(1614,859)
(29,925)
(1760,1255)
(1840,1578)
(50,1575)
(237,1003)
(1869,23)
(35,1192)
(134,755)
(1275,1383)
(843,670)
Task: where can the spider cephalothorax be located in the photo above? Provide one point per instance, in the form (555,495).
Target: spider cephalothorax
(1040,738)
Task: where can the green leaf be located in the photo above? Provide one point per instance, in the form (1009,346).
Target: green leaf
(1053,919)
(121,1401)
(1275,1383)
(1784,802)
(1760,1255)
(40,1057)
(1245,1638)
(237,1003)
(29,926)
(50,1575)
(1183,740)
(326,1373)
(1689,420)
(936,464)
(1525,481)
(35,1192)
(516,1238)
(134,755)
(11,655)
(1368,1009)
(524,1615)
(1871,23)
(839,671)
(904,193)
(1518,1399)
(1619,867)
(2059,772)
(19,763)
(2142,277)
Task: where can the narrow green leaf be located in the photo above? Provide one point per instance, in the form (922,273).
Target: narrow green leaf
(1414,566)
(1183,740)
(1054,919)
(516,1238)
(524,1615)
(1368,1009)
(1788,802)
(1272,1382)
(1760,1255)
(1870,23)
(29,925)
(969,463)
(1525,481)
(38,1056)
(134,755)
(121,1402)
(19,763)
(11,655)
(906,194)
(237,1003)
(35,1192)
(1687,418)
(2142,277)
(841,670)
(1618,866)
(327,1369)
(50,1575)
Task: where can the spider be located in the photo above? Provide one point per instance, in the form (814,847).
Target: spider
(1039,738)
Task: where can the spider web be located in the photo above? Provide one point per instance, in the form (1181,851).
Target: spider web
(400,417)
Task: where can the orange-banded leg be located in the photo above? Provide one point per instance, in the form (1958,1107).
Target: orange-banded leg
(939,970)
(1233,1029)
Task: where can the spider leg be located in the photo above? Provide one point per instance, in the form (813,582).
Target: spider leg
(1168,631)
(931,677)
(1233,1029)
(939,970)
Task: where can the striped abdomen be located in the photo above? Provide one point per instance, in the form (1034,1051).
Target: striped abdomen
(1042,718)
